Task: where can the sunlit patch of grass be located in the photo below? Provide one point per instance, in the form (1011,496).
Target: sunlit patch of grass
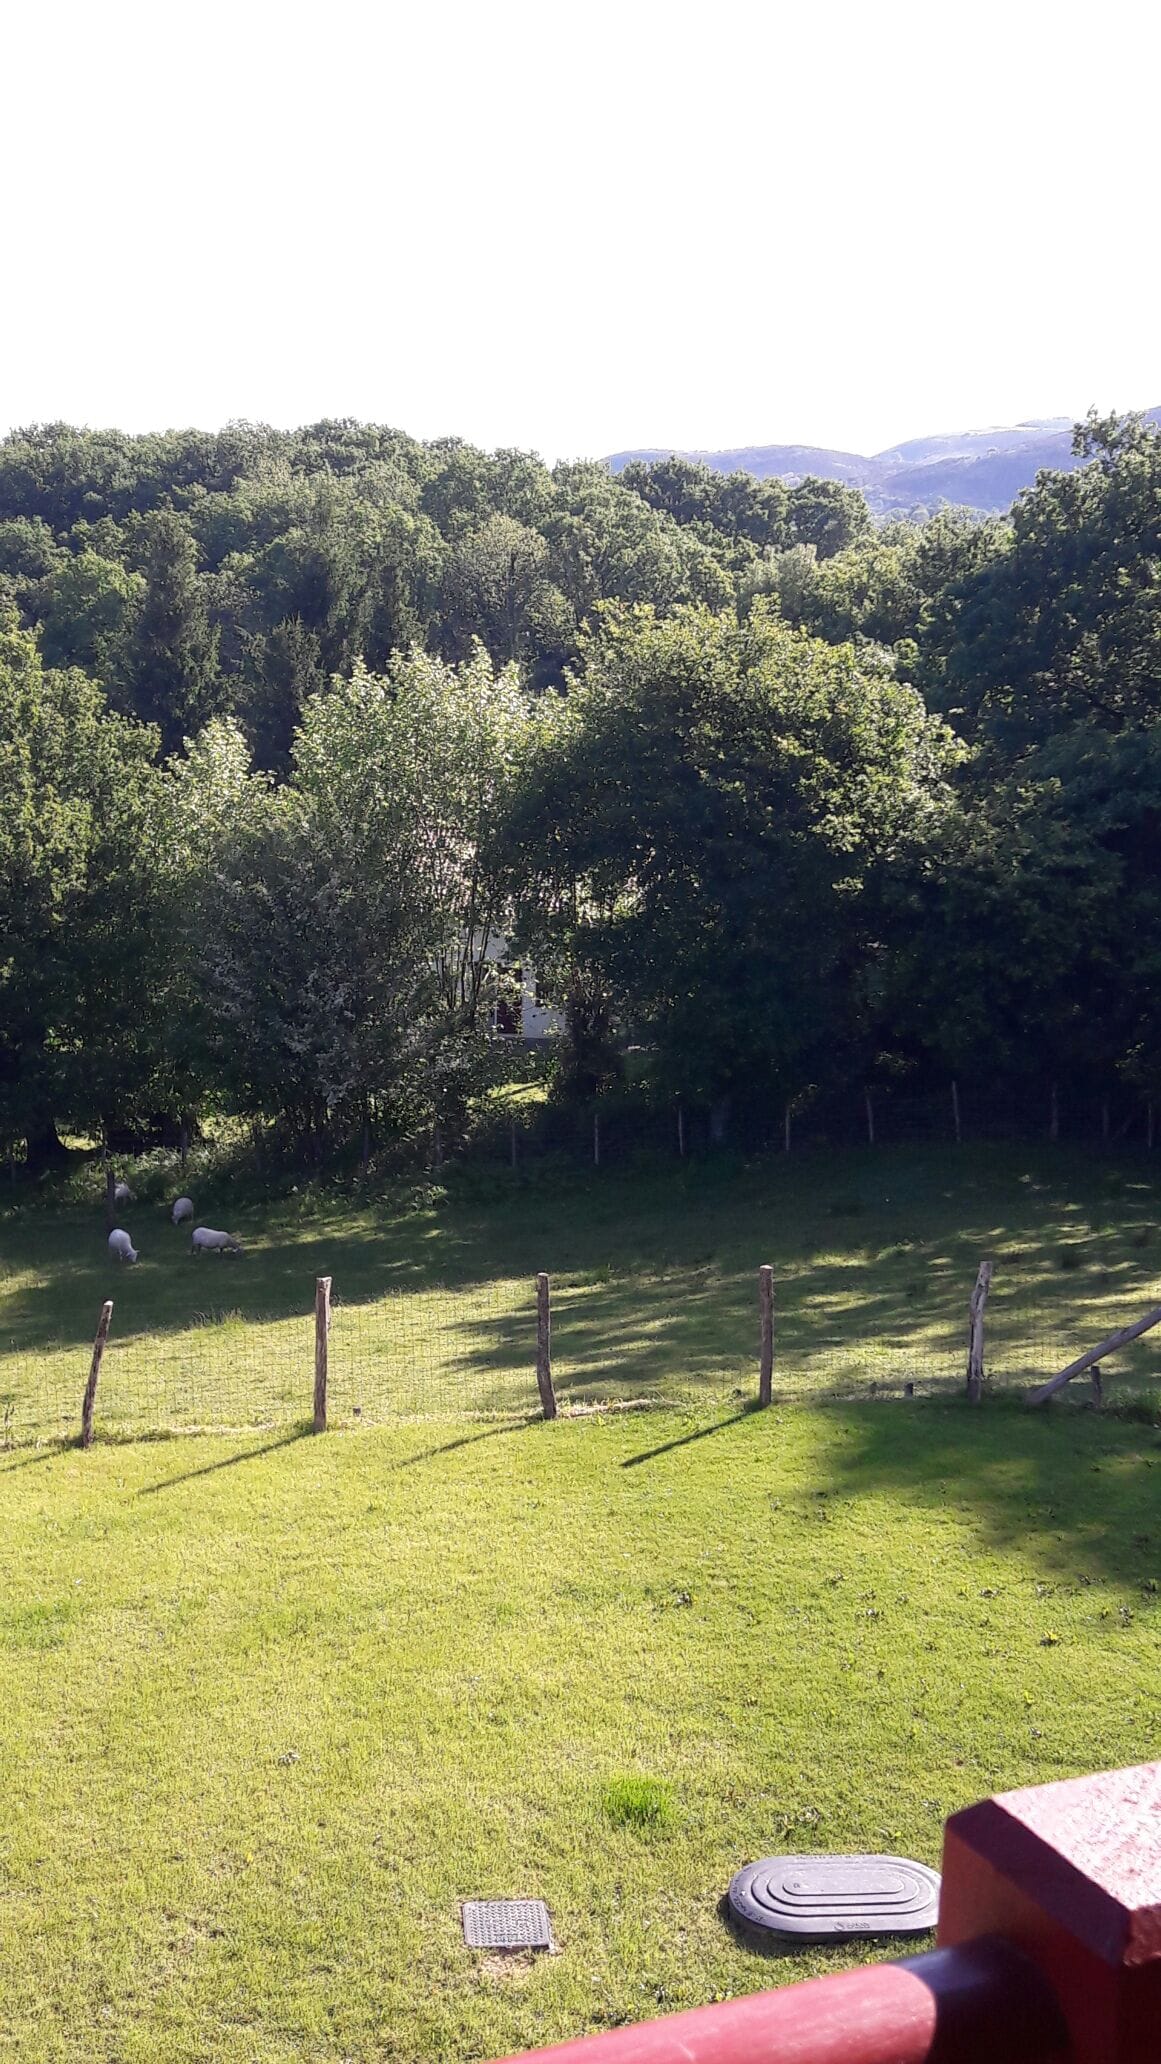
(637,1802)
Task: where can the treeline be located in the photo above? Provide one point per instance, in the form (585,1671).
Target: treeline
(290,723)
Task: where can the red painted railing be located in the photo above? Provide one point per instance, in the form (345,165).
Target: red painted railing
(1049,1953)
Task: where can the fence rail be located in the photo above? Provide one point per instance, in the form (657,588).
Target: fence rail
(500,1349)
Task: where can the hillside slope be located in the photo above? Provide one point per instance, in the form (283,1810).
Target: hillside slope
(980,469)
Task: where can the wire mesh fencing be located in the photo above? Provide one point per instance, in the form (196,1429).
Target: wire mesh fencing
(675,1336)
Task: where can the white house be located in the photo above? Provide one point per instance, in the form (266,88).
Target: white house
(521,1013)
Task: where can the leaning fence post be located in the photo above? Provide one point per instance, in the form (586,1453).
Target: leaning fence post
(544,1347)
(322,1327)
(975,1367)
(90,1398)
(766,1350)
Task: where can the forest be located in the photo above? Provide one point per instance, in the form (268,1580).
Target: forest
(778,796)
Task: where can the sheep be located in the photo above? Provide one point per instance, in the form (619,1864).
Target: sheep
(122,1194)
(121,1246)
(183,1210)
(206,1241)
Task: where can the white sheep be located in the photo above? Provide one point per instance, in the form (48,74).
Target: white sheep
(183,1210)
(122,1194)
(206,1241)
(121,1246)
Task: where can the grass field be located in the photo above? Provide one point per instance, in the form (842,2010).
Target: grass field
(271,1706)
(653,1285)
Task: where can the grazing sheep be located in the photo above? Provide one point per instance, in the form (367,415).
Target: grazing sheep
(122,1194)
(121,1246)
(206,1241)
(183,1210)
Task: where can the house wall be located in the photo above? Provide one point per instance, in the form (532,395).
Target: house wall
(537,1021)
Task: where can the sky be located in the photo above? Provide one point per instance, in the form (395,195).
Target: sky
(580,228)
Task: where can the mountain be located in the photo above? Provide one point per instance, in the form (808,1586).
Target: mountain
(976,469)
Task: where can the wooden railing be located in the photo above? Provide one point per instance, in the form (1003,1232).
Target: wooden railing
(1049,1953)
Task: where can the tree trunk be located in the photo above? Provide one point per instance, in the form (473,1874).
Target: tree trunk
(44,1148)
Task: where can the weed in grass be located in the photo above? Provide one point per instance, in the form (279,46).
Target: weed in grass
(638,1802)
(1070,1256)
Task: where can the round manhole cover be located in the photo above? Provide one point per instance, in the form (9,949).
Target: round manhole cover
(819,1898)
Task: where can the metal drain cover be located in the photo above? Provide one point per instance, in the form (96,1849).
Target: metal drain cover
(819,1898)
(507,1924)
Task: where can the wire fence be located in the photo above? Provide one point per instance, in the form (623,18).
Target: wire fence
(619,1127)
(669,1337)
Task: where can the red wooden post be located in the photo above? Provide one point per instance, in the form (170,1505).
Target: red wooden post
(1070,1873)
(1050,1953)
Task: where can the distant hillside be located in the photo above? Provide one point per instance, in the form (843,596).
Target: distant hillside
(978,469)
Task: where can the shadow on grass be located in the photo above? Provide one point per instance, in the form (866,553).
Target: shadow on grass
(686,1440)
(467,1440)
(1077,1490)
(169,1483)
(46,1451)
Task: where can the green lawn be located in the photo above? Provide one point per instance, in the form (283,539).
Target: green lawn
(270,1706)
(653,1284)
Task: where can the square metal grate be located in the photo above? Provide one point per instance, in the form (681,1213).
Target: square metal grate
(507,1924)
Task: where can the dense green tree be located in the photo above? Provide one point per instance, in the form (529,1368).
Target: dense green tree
(80,1025)
(699,826)
(88,608)
(173,658)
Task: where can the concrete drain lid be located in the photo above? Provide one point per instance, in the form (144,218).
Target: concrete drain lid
(507,1924)
(821,1898)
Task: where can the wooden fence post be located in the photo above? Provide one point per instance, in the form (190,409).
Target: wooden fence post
(766,1346)
(322,1327)
(786,1130)
(596,1139)
(680,1132)
(870,1110)
(975,1367)
(94,1372)
(1095,1354)
(544,1347)
(955,1113)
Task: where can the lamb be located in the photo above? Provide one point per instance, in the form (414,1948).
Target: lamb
(121,1246)
(206,1241)
(183,1210)
(122,1194)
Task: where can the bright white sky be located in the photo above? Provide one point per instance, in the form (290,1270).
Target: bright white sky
(578,227)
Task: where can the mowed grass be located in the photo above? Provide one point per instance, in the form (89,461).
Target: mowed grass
(654,1286)
(271,1706)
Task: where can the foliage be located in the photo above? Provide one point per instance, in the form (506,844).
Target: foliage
(706,815)
(79,917)
(782,796)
